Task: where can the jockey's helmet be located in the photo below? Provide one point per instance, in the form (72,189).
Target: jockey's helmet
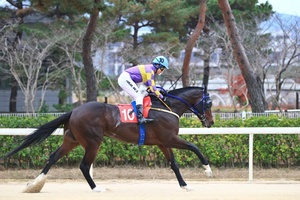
(161,61)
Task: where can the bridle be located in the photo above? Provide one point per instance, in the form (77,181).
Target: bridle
(202,105)
(199,108)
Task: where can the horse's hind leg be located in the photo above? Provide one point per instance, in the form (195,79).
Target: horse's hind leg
(85,166)
(68,144)
(168,152)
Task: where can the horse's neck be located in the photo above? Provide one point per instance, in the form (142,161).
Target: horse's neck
(175,106)
(180,103)
(188,99)
(179,108)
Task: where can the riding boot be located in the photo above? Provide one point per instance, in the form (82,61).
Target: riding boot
(140,115)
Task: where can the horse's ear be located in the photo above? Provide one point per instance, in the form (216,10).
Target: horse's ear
(205,89)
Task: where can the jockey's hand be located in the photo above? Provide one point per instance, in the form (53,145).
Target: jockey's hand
(165,99)
(149,91)
(163,92)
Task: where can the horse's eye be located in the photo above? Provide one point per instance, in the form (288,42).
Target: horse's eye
(208,103)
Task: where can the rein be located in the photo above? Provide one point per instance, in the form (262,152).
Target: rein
(165,105)
(205,100)
(192,108)
(203,104)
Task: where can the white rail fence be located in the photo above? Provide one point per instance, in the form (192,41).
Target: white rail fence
(225,116)
(186,131)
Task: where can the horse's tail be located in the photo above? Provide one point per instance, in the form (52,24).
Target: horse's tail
(41,133)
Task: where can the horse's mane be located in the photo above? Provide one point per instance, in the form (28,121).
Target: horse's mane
(176,92)
(181,90)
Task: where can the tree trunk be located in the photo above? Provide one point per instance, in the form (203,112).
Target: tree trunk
(91,88)
(256,95)
(191,43)
(14,84)
(13,95)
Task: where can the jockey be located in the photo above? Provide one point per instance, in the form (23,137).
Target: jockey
(142,74)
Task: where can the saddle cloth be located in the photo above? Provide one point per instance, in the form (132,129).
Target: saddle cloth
(127,114)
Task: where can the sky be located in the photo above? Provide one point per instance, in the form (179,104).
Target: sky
(290,7)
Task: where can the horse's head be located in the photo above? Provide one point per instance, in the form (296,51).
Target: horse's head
(198,101)
(202,109)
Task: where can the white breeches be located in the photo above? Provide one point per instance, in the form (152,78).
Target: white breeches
(127,84)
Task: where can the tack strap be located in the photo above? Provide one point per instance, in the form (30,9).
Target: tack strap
(141,126)
(166,111)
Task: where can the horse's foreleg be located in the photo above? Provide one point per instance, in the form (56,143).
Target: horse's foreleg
(182,144)
(204,162)
(85,167)
(168,152)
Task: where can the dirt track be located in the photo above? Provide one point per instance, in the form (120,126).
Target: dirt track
(155,184)
(155,189)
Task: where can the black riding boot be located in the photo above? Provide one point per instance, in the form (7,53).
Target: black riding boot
(140,115)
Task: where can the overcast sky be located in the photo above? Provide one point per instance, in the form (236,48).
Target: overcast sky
(291,7)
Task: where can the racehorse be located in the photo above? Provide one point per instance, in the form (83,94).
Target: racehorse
(87,124)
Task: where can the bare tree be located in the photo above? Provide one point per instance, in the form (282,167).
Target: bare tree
(16,19)
(25,62)
(71,46)
(254,87)
(106,55)
(76,72)
(284,56)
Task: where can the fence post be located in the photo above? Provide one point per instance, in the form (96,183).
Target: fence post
(251,135)
(297,100)
(244,115)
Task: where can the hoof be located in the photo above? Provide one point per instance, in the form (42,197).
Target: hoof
(96,189)
(207,171)
(187,188)
(37,185)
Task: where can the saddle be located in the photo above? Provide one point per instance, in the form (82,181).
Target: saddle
(127,114)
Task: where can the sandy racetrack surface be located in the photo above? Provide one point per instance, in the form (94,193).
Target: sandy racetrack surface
(155,184)
(158,189)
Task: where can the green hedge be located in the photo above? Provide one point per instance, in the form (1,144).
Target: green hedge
(220,150)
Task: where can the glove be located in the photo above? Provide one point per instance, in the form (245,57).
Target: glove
(165,99)
(163,92)
(150,93)
(148,90)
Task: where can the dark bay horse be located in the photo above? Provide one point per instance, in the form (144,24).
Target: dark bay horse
(87,124)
